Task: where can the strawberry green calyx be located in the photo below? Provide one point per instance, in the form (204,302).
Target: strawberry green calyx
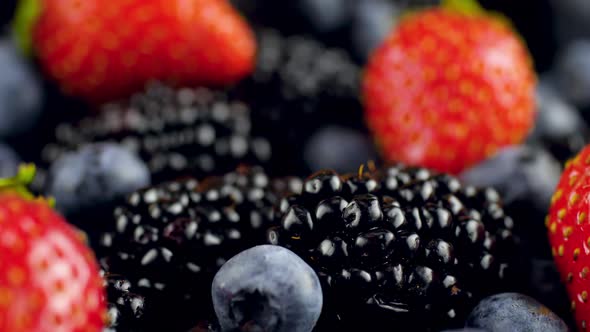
(469,7)
(473,8)
(19,184)
(26,15)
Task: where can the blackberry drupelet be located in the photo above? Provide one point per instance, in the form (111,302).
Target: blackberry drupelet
(405,249)
(299,86)
(125,308)
(194,132)
(170,240)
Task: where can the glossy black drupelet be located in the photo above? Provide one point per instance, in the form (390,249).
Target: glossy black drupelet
(298,87)
(125,308)
(183,132)
(170,240)
(406,250)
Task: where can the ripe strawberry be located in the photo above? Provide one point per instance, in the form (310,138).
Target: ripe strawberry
(569,233)
(101,50)
(448,88)
(49,280)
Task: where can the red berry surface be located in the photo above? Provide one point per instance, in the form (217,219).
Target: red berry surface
(49,280)
(447,89)
(101,50)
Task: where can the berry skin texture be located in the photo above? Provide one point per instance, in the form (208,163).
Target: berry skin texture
(569,234)
(101,51)
(49,280)
(95,174)
(446,90)
(267,288)
(514,312)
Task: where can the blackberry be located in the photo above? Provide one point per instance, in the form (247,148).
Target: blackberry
(299,86)
(170,240)
(194,132)
(403,248)
(125,308)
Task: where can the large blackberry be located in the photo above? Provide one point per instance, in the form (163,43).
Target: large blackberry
(405,249)
(193,132)
(170,240)
(125,308)
(299,86)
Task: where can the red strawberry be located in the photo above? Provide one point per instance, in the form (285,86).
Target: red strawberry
(49,281)
(569,233)
(101,50)
(447,89)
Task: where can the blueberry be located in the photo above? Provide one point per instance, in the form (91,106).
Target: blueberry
(9,162)
(267,288)
(93,175)
(559,126)
(519,173)
(526,177)
(546,286)
(338,148)
(516,313)
(373,21)
(572,72)
(326,15)
(21,95)
(467,329)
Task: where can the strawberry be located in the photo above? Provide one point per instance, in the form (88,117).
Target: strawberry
(569,233)
(102,50)
(448,88)
(49,280)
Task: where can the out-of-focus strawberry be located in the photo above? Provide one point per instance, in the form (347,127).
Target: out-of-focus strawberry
(449,88)
(101,50)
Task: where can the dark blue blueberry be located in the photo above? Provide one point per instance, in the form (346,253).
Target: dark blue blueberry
(572,72)
(267,288)
(373,21)
(21,95)
(516,313)
(467,329)
(545,285)
(9,161)
(518,173)
(326,15)
(338,148)
(93,175)
(559,126)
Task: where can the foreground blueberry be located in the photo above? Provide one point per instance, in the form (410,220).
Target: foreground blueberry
(516,313)
(20,92)
(94,175)
(267,288)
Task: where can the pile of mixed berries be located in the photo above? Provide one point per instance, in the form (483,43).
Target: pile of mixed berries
(298,166)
